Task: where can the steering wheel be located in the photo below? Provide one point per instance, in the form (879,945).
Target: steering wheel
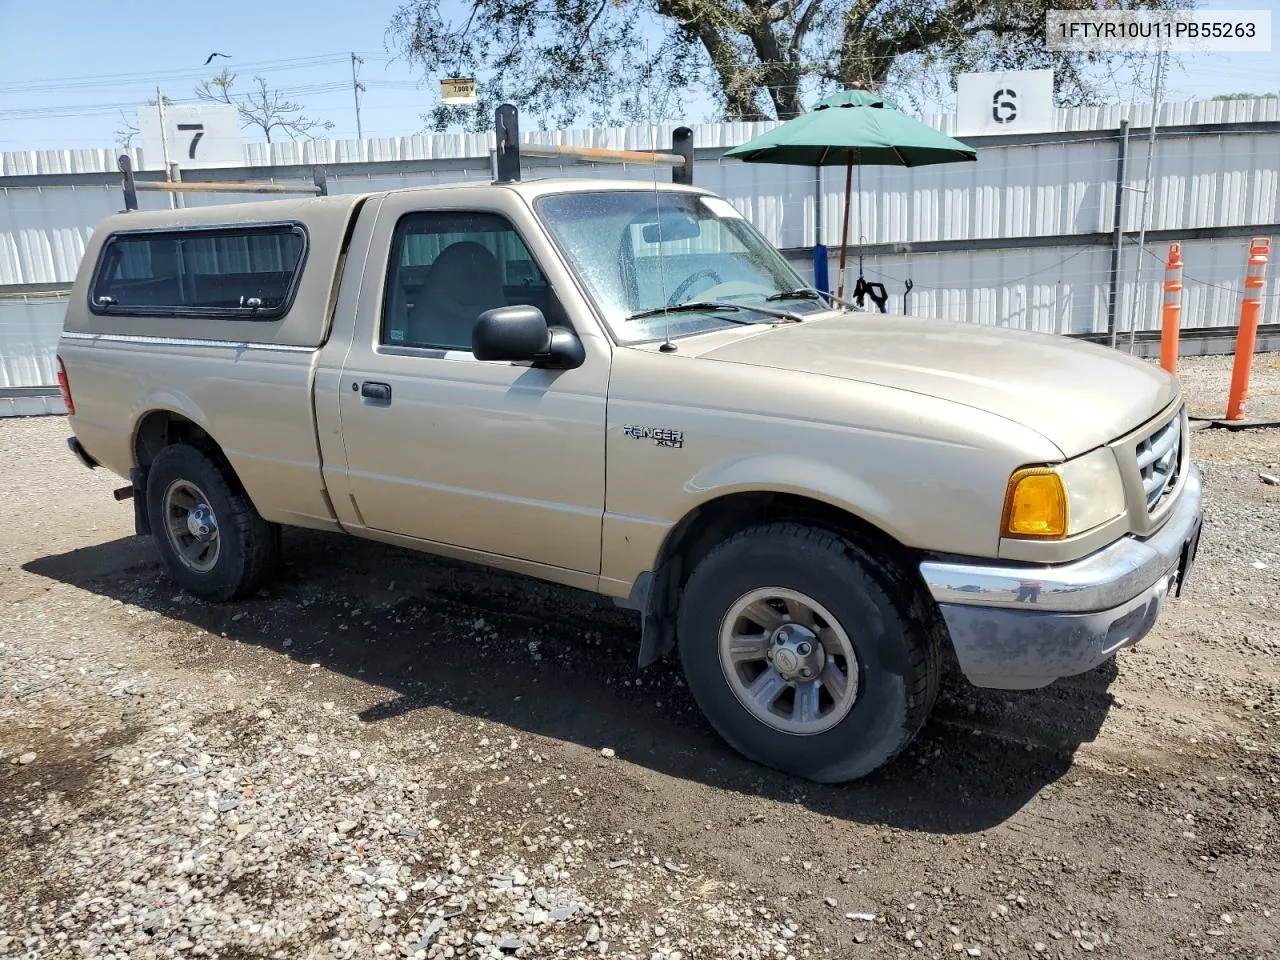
(677,295)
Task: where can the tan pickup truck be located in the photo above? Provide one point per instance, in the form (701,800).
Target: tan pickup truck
(626,389)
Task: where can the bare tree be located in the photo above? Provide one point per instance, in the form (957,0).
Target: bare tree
(760,58)
(263,108)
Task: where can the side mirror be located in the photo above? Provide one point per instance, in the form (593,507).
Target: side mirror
(510,333)
(520,334)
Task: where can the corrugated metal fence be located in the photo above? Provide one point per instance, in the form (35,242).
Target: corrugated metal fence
(1022,238)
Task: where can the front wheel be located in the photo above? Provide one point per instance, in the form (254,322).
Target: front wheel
(210,536)
(807,653)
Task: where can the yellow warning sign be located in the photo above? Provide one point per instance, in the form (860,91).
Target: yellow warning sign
(458,90)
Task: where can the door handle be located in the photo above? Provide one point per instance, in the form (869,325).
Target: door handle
(379,393)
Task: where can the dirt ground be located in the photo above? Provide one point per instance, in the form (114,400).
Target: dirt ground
(391,755)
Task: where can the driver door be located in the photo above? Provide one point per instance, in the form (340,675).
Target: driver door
(497,458)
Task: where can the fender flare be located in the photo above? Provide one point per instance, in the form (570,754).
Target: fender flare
(799,476)
(167,403)
(655,593)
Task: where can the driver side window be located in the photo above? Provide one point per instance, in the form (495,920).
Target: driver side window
(447,268)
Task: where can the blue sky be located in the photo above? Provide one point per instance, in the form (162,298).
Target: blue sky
(67,69)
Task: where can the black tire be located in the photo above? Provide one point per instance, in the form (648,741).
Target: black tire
(249,547)
(894,628)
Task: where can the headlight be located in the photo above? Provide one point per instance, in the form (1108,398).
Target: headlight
(1050,503)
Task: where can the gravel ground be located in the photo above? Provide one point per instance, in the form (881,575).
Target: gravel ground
(1207,381)
(391,755)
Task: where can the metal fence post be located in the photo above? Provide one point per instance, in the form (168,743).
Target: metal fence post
(177,199)
(1117,230)
(821,268)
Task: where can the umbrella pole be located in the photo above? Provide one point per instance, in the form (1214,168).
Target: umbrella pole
(844,231)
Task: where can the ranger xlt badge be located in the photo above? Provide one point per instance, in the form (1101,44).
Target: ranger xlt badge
(662,436)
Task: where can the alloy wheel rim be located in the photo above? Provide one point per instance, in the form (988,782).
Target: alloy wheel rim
(192,526)
(788,660)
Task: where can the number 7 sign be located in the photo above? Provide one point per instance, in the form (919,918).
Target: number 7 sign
(197,136)
(195,141)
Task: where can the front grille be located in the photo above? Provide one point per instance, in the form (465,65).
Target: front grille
(1159,461)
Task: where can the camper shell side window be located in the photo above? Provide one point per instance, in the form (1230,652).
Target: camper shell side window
(246,272)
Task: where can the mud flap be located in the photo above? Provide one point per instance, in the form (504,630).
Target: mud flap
(657,599)
(141,522)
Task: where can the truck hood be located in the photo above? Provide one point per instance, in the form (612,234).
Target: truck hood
(1078,395)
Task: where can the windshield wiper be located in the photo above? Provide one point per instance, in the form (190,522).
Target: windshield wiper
(812,294)
(802,293)
(691,306)
(710,305)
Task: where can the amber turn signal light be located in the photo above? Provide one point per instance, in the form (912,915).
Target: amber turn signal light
(1035,505)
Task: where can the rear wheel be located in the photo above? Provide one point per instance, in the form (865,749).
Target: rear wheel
(208,533)
(808,653)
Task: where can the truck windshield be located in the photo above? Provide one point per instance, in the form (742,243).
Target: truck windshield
(638,252)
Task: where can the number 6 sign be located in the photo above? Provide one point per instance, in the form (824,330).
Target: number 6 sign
(1013,101)
(196,135)
(1004,106)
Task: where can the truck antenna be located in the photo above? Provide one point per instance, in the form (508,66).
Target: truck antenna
(667,345)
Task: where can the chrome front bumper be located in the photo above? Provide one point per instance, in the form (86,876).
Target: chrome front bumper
(1018,627)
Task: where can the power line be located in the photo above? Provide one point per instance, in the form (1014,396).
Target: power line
(73,110)
(44,85)
(194,73)
(88,109)
(1234,291)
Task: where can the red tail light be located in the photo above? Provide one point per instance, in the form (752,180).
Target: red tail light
(64,387)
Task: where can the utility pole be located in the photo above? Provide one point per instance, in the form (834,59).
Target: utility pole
(1147,191)
(1117,233)
(164,146)
(356,89)
(164,136)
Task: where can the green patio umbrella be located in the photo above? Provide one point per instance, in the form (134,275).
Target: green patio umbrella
(853,127)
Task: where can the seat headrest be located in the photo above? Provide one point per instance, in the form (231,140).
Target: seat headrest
(465,271)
